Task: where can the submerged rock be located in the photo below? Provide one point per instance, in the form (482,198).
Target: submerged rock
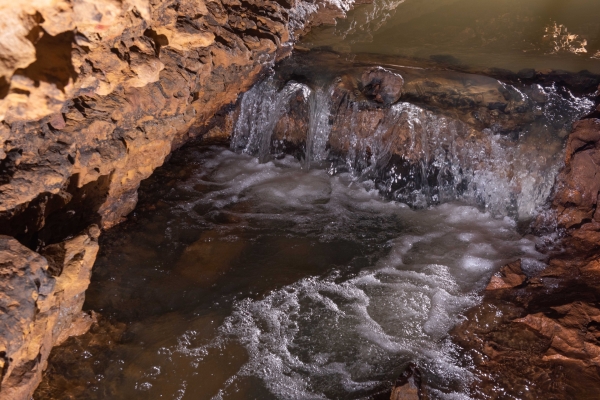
(408,385)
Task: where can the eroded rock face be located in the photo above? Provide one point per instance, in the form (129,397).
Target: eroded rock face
(536,333)
(94,95)
(97,94)
(578,186)
(41,300)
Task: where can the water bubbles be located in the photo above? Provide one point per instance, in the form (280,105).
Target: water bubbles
(418,156)
(328,336)
(143,386)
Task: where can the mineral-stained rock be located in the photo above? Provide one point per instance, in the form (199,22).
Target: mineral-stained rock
(578,186)
(508,277)
(40,306)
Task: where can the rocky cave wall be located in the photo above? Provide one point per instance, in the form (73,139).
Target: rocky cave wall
(94,95)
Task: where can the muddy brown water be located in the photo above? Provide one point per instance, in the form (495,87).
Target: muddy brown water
(507,34)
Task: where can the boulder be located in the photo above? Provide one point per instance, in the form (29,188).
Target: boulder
(382,85)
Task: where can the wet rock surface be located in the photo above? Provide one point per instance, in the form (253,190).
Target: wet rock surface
(538,339)
(433,134)
(578,186)
(536,333)
(408,385)
(382,85)
(41,298)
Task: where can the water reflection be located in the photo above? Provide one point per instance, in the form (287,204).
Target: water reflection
(508,34)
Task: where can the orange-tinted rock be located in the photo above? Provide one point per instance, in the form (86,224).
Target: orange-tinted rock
(95,95)
(508,277)
(107,90)
(41,302)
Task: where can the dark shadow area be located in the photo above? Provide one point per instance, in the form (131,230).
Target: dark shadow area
(51,218)
(53,62)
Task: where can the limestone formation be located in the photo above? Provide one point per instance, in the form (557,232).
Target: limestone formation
(40,303)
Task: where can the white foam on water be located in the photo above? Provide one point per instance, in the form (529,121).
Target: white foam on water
(507,177)
(341,335)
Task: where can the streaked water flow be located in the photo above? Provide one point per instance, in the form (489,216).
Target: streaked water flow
(506,173)
(241,279)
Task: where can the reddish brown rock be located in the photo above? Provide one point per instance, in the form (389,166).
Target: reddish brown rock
(408,385)
(539,337)
(508,277)
(41,306)
(578,186)
(382,85)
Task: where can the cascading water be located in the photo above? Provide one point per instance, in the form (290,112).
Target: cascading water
(440,158)
(318,127)
(242,279)
(261,107)
(247,274)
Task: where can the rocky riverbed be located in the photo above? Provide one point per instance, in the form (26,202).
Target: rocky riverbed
(94,96)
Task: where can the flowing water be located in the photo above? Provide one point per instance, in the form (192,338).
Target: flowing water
(337,239)
(245,280)
(507,170)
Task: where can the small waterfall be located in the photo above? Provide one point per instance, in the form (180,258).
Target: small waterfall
(414,155)
(260,110)
(318,127)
